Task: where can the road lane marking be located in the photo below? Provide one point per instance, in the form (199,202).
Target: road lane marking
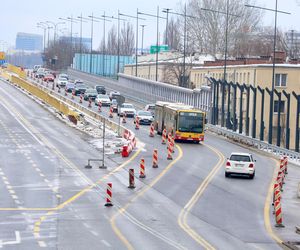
(182,218)
(42,243)
(268,202)
(122,211)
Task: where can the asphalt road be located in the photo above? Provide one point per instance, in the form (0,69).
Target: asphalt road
(186,203)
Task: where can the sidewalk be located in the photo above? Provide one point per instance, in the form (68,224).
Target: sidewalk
(290,208)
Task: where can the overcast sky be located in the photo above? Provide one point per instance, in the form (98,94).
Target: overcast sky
(22,16)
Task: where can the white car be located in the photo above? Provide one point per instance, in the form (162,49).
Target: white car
(241,164)
(150,108)
(127,109)
(61,82)
(104,99)
(145,117)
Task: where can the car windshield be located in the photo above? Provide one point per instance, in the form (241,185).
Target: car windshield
(144,113)
(100,87)
(114,101)
(80,86)
(244,158)
(103,96)
(151,107)
(92,91)
(128,106)
(62,79)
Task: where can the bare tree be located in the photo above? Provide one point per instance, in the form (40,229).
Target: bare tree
(173,34)
(207,29)
(112,42)
(127,39)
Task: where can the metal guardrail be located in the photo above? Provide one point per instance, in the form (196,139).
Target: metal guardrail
(261,145)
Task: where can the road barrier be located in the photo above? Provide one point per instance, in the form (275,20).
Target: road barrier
(99,106)
(137,123)
(151,134)
(131,178)
(111,112)
(164,137)
(142,168)
(68,107)
(155,159)
(124,118)
(278,214)
(109,195)
(130,144)
(169,157)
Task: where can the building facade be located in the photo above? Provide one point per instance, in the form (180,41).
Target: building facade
(29,42)
(287,80)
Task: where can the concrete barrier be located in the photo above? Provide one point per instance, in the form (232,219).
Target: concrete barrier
(70,108)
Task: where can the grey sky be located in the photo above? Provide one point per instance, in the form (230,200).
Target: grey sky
(22,16)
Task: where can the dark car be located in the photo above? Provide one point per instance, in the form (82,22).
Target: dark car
(100,89)
(90,93)
(69,87)
(80,88)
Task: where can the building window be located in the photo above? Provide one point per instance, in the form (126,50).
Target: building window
(280,80)
(276,106)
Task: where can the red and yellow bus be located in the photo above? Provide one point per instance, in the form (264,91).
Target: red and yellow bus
(183,121)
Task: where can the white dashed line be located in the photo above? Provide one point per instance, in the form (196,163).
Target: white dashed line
(37,169)
(41,174)
(42,243)
(94,233)
(11,191)
(46,180)
(6,182)
(15,197)
(105,243)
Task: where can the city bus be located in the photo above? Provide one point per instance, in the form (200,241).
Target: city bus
(183,121)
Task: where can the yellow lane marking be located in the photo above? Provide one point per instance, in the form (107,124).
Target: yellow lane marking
(182,219)
(123,209)
(267,207)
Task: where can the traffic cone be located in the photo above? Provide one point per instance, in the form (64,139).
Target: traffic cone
(169,157)
(80,98)
(155,159)
(90,103)
(99,106)
(66,92)
(124,118)
(73,94)
(151,130)
(131,178)
(142,168)
(278,214)
(164,137)
(111,113)
(137,123)
(109,195)
(169,138)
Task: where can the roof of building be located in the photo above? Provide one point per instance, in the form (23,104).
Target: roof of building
(283,65)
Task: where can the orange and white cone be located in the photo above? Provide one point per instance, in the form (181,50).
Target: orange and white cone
(99,106)
(137,123)
(278,214)
(151,134)
(169,157)
(124,118)
(164,137)
(142,168)
(66,92)
(155,159)
(285,162)
(169,139)
(109,195)
(90,103)
(111,112)
(73,94)
(131,178)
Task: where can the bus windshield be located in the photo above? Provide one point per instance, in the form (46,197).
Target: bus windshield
(190,122)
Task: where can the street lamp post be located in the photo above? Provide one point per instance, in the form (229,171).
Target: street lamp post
(143,26)
(39,25)
(55,28)
(71,20)
(136,36)
(166,10)
(183,77)
(157,37)
(276,11)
